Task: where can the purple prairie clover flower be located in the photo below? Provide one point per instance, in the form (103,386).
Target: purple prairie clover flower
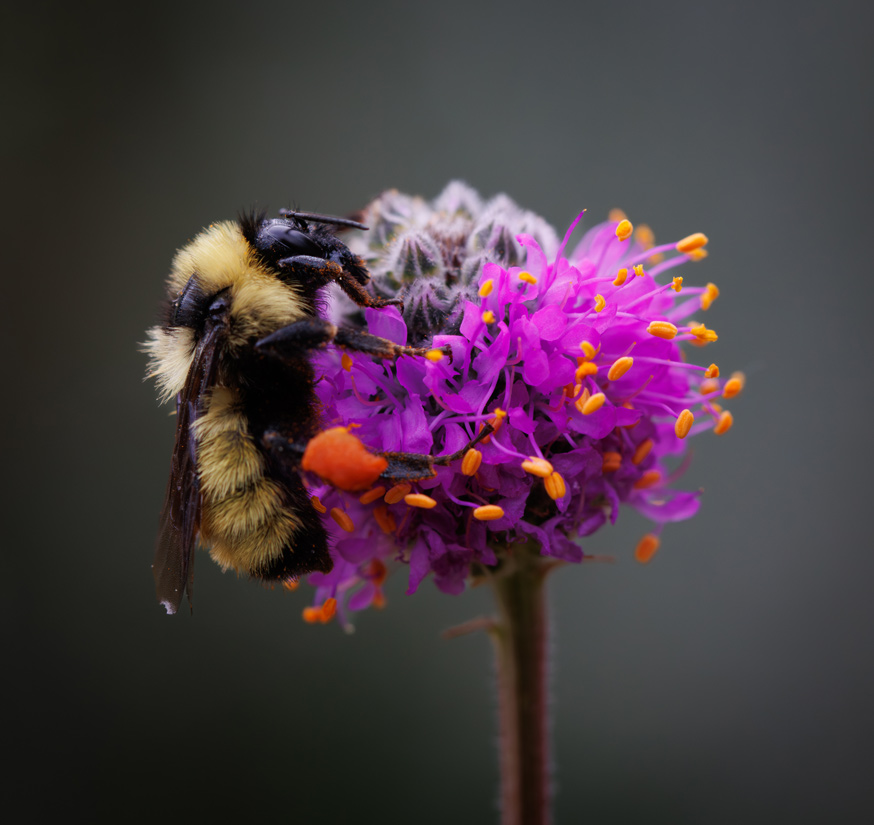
(573,355)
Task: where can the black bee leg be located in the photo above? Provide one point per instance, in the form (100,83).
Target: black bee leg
(318,271)
(416,467)
(296,339)
(353,288)
(379,347)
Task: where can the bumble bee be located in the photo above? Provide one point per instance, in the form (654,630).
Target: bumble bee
(239,323)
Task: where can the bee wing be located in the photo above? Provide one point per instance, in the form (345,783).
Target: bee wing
(180,519)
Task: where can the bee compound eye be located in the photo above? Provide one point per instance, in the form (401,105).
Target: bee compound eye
(284,240)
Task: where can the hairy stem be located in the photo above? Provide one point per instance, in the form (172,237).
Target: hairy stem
(520,639)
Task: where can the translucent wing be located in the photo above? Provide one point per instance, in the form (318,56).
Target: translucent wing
(180,519)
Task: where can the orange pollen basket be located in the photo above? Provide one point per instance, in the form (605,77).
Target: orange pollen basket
(342,460)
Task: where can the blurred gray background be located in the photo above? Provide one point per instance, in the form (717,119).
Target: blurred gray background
(728,681)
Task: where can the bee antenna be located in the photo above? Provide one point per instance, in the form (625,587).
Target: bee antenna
(329,219)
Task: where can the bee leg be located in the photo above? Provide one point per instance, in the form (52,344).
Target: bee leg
(320,271)
(314,333)
(416,467)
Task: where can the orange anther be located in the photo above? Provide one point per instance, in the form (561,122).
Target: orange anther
(321,614)
(723,425)
(621,275)
(594,403)
(376,571)
(581,402)
(692,242)
(343,519)
(709,386)
(372,495)
(649,479)
(646,548)
(397,493)
(662,329)
(600,303)
(734,385)
(615,215)
(384,519)
(712,371)
(644,236)
(638,270)
(684,423)
(620,367)
(555,486)
(317,505)
(488,512)
(624,229)
(486,288)
(346,362)
(488,317)
(677,283)
(584,370)
(471,461)
(537,467)
(697,254)
(642,451)
(434,355)
(708,297)
(420,500)
(611,462)
(588,350)
(527,277)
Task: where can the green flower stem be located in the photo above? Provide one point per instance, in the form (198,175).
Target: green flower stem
(520,637)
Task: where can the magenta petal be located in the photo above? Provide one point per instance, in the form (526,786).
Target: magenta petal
(386,323)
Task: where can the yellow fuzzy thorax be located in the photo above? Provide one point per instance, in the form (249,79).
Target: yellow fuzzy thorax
(261,303)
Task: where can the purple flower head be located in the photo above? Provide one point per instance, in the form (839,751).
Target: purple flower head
(573,357)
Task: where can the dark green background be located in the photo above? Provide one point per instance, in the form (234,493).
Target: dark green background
(729,681)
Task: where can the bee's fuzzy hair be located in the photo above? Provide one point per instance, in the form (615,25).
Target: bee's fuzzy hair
(220,258)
